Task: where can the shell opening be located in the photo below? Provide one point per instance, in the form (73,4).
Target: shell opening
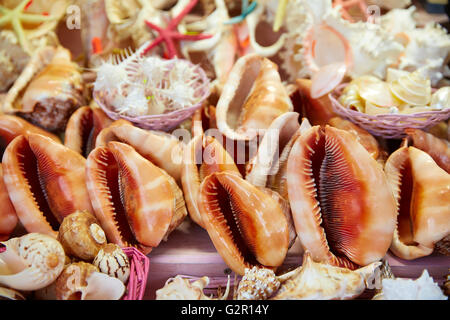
(333,187)
(30,170)
(404,221)
(87,133)
(109,176)
(225,212)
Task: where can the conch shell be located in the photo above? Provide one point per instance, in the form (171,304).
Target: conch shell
(251,99)
(332,177)
(83,281)
(162,149)
(179,288)
(81,235)
(135,202)
(31,262)
(8,217)
(83,127)
(203,155)
(52,95)
(320,281)
(438,149)
(45,182)
(246,225)
(422,192)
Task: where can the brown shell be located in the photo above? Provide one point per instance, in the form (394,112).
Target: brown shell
(72,279)
(342,206)
(246,225)
(81,235)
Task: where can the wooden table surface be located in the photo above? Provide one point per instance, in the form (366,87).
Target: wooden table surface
(190,252)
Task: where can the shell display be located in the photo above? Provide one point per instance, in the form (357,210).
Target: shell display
(320,281)
(257,284)
(113,261)
(31,262)
(81,235)
(412,89)
(82,281)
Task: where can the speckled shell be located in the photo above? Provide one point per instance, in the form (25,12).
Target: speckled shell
(81,235)
(257,284)
(113,261)
(31,262)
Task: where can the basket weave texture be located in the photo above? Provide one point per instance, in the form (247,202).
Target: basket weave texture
(137,281)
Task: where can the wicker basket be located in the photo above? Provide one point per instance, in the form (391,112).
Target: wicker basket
(165,121)
(137,281)
(389,126)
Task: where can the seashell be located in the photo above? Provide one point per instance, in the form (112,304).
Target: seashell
(423,288)
(413,89)
(317,111)
(83,127)
(376,92)
(443,246)
(162,149)
(324,179)
(8,216)
(247,108)
(441,98)
(31,262)
(257,284)
(10,294)
(447,286)
(320,281)
(266,160)
(246,225)
(207,152)
(12,126)
(438,149)
(351,99)
(45,182)
(180,288)
(278,182)
(421,190)
(113,261)
(132,198)
(53,94)
(81,235)
(362,136)
(13,59)
(82,281)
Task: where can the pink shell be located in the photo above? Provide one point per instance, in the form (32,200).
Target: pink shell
(389,126)
(165,121)
(137,281)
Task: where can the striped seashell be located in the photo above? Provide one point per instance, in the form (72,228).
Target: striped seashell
(413,89)
(113,261)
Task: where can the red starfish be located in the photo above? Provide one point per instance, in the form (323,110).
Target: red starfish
(347,4)
(169,33)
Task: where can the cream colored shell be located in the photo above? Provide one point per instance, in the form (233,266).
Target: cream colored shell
(113,261)
(31,262)
(180,288)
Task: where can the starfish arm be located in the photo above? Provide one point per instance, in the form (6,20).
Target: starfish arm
(179,17)
(4,20)
(4,10)
(22,5)
(234,20)
(153,26)
(152,45)
(172,52)
(35,18)
(18,29)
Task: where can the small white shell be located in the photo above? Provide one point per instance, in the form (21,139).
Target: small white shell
(257,284)
(9,294)
(412,89)
(180,288)
(31,262)
(113,261)
(441,99)
(423,288)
